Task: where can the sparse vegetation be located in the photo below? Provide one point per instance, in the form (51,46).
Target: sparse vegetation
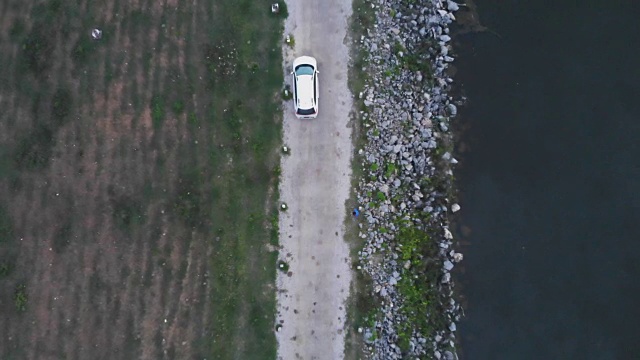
(5,269)
(418,285)
(20,297)
(178,107)
(158,111)
(193,200)
(6,226)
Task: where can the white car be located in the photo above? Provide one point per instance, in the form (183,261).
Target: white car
(305,87)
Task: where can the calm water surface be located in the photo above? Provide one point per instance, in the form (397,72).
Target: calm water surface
(550,184)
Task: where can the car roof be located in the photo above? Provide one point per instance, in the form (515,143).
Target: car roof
(305,91)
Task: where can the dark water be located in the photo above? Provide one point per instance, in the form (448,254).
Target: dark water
(550,185)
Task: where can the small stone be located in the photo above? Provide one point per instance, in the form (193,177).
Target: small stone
(452,6)
(457,257)
(455,208)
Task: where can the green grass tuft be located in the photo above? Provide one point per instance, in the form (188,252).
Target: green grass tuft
(158,111)
(20,298)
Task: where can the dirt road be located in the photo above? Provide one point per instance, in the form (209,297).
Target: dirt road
(315,185)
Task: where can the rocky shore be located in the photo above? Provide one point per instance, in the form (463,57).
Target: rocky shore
(405,195)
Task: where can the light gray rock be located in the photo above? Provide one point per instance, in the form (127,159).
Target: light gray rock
(447,234)
(453,110)
(446,278)
(455,208)
(452,6)
(448,265)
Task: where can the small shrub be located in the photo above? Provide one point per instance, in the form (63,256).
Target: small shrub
(34,150)
(193,119)
(37,50)
(291,41)
(178,107)
(61,106)
(283,266)
(283,12)
(286,93)
(20,297)
(157,111)
(6,226)
(380,196)
(5,269)
(390,169)
(83,49)
(374,167)
(17,30)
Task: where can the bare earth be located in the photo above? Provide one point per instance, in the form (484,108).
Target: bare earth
(315,185)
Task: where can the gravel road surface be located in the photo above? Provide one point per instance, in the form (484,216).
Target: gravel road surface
(316,180)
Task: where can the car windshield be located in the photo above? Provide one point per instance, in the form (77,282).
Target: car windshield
(304,70)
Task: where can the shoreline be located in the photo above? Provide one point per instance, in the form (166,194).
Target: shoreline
(406,194)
